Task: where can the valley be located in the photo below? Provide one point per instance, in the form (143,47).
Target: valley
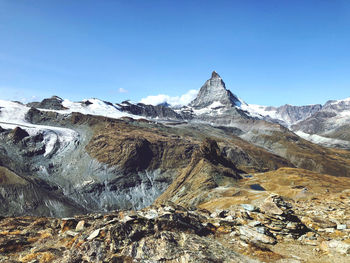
(97,181)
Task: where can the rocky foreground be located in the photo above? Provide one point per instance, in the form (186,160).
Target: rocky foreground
(272,231)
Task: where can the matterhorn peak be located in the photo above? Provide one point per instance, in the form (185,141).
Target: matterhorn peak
(215,75)
(214,92)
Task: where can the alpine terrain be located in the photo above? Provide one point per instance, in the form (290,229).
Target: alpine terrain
(217,180)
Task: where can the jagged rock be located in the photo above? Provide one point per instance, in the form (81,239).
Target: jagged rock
(269,206)
(18,134)
(53,103)
(159,111)
(252,235)
(214,90)
(80,226)
(94,234)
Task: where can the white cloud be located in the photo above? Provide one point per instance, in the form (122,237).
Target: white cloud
(16,94)
(121,90)
(173,101)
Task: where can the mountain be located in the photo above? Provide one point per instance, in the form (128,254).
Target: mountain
(214,94)
(330,124)
(218,180)
(285,115)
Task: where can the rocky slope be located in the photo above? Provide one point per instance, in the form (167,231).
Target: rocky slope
(211,182)
(263,228)
(285,115)
(82,162)
(331,124)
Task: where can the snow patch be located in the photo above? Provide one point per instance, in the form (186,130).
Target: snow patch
(314,138)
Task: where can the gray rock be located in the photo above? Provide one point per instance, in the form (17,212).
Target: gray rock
(94,234)
(341,227)
(252,235)
(249,207)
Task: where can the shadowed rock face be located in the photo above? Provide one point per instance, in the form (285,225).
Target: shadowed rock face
(208,169)
(159,111)
(18,134)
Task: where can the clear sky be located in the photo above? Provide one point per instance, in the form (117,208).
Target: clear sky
(269,52)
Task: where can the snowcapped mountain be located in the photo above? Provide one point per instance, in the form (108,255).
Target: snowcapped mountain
(331,123)
(214,94)
(214,104)
(95,155)
(286,115)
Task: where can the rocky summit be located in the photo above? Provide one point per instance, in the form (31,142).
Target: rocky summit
(214,91)
(217,180)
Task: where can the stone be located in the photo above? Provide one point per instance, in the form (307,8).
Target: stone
(270,207)
(329,230)
(251,235)
(80,226)
(249,207)
(18,134)
(254,223)
(341,227)
(94,234)
(335,246)
(151,214)
(71,233)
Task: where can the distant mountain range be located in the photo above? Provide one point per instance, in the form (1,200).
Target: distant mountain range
(59,157)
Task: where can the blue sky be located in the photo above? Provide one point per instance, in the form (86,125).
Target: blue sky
(267,52)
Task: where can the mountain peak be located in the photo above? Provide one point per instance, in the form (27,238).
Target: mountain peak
(214,91)
(214,75)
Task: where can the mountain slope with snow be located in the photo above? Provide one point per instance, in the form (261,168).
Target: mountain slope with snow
(332,121)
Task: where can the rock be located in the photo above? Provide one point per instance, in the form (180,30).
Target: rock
(254,223)
(94,234)
(329,230)
(341,227)
(70,233)
(18,134)
(159,111)
(68,224)
(335,246)
(249,207)
(150,214)
(53,103)
(80,226)
(269,206)
(251,235)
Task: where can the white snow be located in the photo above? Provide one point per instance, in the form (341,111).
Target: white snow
(12,115)
(97,107)
(260,111)
(340,101)
(212,109)
(321,140)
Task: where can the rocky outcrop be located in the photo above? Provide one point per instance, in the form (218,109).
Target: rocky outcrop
(18,134)
(53,103)
(208,169)
(150,111)
(167,233)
